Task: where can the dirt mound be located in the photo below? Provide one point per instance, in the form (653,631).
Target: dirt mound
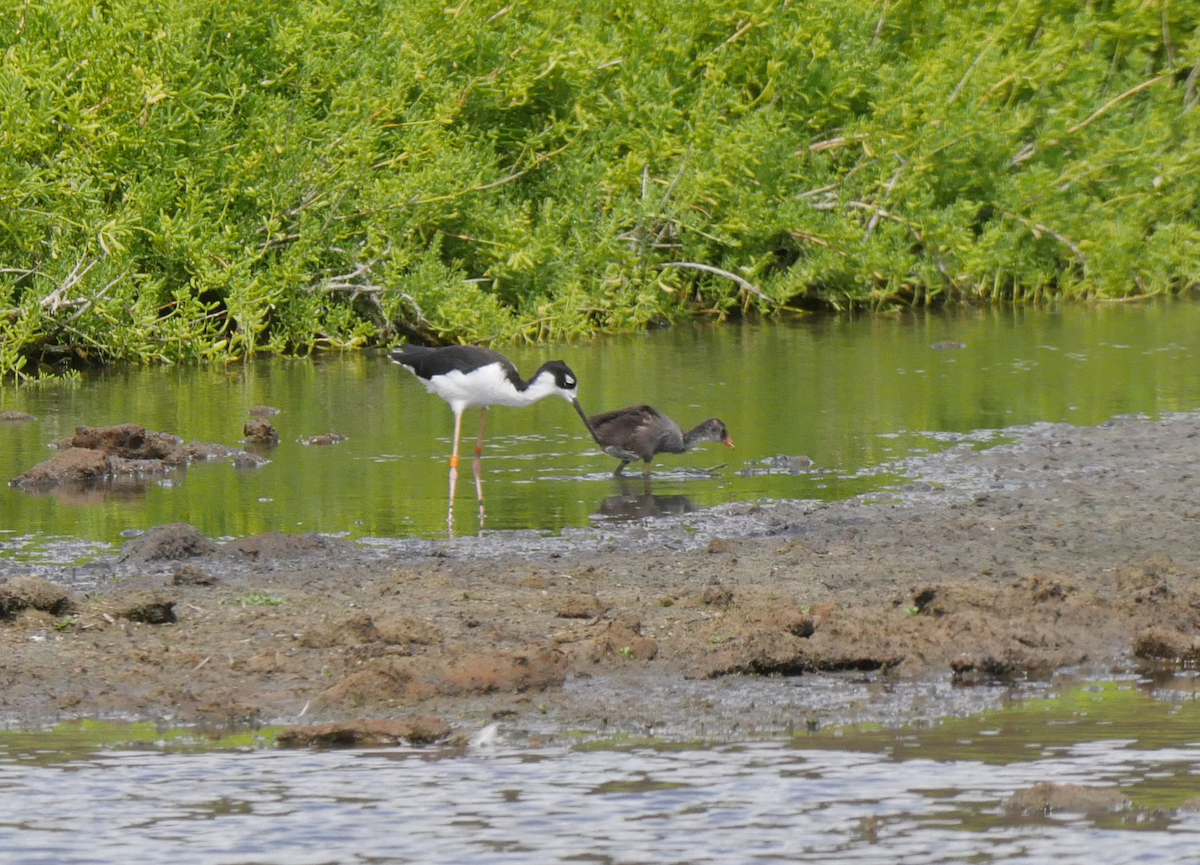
(594,642)
(33,593)
(403,629)
(121,452)
(128,440)
(74,465)
(1161,644)
(579,606)
(353,630)
(190,575)
(137,605)
(367,733)
(409,680)
(167,543)
(260,432)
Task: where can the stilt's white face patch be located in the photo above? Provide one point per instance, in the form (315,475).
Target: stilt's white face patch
(485,386)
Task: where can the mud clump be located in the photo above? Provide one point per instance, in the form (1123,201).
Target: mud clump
(580,606)
(263,411)
(765,634)
(117,452)
(325,439)
(408,680)
(1047,797)
(11,416)
(366,733)
(149,607)
(401,629)
(190,575)
(74,465)
(169,542)
(33,593)
(260,432)
(128,441)
(620,638)
(1161,644)
(354,630)
(982,668)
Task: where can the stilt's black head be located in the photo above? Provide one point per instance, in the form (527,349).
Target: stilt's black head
(565,382)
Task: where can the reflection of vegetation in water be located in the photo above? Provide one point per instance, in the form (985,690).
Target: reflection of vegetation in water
(852,394)
(79,740)
(253,179)
(1045,726)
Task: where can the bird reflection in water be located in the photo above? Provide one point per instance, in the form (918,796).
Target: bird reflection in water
(632,505)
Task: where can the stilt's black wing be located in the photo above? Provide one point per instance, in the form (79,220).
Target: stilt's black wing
(428,362)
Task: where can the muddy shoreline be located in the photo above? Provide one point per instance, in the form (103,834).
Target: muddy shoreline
(1067,548)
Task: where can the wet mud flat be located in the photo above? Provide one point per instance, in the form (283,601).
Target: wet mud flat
(1066,549)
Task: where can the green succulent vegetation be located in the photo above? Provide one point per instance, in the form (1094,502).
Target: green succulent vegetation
(187,180)
(254,599)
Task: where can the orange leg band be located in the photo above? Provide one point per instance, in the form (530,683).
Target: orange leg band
(454,461)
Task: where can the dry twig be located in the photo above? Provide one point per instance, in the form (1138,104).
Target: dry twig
(708,268)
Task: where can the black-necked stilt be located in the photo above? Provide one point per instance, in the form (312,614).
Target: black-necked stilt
(468,376)
(640,432)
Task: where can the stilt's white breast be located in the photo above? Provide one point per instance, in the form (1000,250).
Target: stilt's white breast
(484,386)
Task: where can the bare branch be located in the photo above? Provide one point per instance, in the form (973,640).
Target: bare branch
(819,241)
(970,69)
(879,26)
(57,299)
(100,294)
(831,143)
(678,176)
(819,191)
(708,268)
(1110,103)
(1038,230)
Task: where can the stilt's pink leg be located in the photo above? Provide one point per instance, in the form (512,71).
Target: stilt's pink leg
(454,471)
(478,466)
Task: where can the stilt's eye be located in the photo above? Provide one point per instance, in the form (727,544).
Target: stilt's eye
(570,381)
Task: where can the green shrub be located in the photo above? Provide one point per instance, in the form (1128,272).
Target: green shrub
(192,180)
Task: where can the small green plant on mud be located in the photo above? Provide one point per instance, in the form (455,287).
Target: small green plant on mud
(254,599)
(185,181)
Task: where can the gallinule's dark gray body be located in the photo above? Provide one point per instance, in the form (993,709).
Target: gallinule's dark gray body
(640,432)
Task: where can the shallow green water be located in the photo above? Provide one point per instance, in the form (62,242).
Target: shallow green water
(851,393)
